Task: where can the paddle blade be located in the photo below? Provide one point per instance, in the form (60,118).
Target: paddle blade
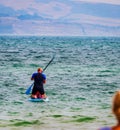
(29,90)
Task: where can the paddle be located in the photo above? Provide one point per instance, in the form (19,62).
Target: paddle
(30,87)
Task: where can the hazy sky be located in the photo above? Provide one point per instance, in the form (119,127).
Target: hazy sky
(102,12)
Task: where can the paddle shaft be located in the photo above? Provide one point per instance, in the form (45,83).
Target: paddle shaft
(48,63)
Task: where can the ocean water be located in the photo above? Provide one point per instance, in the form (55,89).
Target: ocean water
(80,82)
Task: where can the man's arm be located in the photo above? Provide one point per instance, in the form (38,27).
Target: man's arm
(44,81)
(44,78)
(32,78)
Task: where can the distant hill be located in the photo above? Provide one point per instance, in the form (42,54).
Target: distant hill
(10,25)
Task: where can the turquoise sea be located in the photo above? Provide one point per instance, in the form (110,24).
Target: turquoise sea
(80,82)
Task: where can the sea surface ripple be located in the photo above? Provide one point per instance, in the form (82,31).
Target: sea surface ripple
(80,81)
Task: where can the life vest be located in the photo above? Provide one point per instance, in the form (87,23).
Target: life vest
(38,79)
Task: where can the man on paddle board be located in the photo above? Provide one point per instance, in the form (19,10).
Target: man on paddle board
(39,79)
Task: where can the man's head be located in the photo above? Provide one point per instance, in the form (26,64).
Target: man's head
(40,70)
(116,105)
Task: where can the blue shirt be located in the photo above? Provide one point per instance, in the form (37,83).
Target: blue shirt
(106,128)
(43,75)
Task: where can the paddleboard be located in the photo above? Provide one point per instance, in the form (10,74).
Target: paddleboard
(38,99)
